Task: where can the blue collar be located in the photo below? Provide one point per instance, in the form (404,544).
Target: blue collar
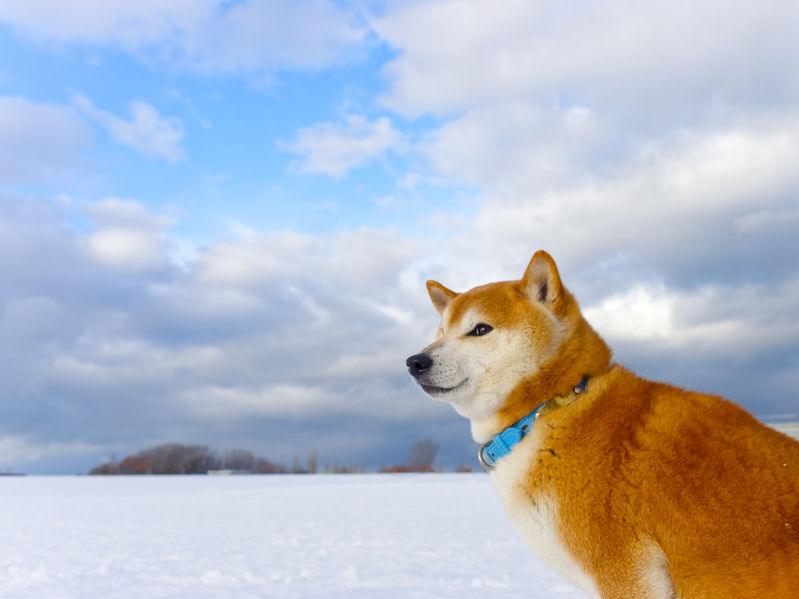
(500,446)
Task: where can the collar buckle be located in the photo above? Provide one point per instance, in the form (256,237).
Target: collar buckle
(487,462)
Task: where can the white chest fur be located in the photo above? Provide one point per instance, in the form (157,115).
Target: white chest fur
(534,518)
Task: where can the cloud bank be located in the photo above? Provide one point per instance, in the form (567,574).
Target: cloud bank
(651,150)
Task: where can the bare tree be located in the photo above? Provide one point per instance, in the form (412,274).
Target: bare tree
(312,462)
(240,459)
(107,468)
(135,464)
(174,458)
(264,466)
(166,459)
(295,465)
(422,455)
(198,459)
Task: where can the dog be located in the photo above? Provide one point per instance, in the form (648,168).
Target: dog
(627,487)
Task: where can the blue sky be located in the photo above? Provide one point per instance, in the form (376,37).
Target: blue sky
(231,158)
(216,219)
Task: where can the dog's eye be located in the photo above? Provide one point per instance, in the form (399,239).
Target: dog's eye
(480,330)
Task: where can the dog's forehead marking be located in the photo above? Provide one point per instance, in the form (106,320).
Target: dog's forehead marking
(491,303)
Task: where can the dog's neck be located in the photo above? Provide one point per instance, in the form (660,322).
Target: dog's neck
(502,444)
(553,381)
(519,403)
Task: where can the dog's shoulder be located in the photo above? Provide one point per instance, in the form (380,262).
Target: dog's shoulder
(657,465)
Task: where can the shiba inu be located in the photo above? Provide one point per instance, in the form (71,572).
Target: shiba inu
(627,487)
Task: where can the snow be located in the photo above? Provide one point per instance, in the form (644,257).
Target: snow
(322,536)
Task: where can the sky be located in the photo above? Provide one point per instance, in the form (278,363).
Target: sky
(217,218)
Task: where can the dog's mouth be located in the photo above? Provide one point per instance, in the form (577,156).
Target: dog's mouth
(433,390)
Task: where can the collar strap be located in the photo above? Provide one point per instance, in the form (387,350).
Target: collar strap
(500,446)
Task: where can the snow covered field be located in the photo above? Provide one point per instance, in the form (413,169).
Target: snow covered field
(343,536)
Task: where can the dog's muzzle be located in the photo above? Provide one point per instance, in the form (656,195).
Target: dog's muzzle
(418,364)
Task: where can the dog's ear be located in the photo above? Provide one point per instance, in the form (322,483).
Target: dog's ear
(541,282)
(440,295)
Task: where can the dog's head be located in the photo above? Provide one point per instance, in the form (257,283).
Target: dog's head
(493,337)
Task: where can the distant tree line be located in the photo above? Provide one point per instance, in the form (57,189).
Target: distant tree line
(175,458)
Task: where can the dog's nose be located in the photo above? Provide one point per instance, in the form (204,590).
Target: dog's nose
(418,364)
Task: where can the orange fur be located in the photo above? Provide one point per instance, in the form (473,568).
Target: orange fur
(636,461)
(655,491)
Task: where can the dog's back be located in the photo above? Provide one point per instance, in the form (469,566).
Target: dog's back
(665,470)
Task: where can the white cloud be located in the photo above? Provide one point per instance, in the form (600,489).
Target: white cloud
(686,204)
(764,222)
(130,24)
(336,148)
(283,399)
(255,259)
(118,212)
(127,249)
(38,141)
(128,237)
(147,132)
(660,132)
(33,318)
(623,55)
(107,362)
(273,34)
(211,37)
(639,313)
(736,323)
(515,147)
